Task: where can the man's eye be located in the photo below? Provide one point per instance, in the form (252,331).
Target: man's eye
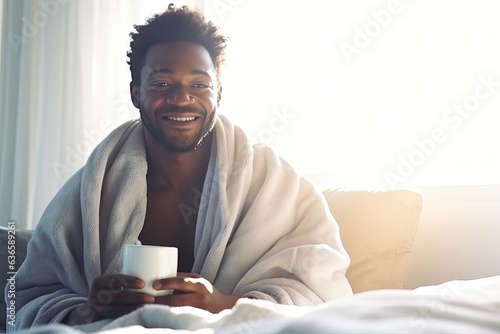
(201,85)
(160,84)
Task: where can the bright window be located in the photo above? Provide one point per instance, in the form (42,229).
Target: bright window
(369,93)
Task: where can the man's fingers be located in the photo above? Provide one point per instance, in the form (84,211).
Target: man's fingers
(197,292)
(110,298)
(112,290)
(186,284)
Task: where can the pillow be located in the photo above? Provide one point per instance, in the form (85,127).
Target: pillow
(21,242)
(378,229)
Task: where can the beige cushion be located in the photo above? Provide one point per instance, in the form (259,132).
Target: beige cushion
(378,229)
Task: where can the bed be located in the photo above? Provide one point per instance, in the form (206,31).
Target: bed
(379,231)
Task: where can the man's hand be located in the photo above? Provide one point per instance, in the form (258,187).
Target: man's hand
(108,299)
(193,290)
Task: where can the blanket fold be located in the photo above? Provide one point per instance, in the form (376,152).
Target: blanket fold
(262,230)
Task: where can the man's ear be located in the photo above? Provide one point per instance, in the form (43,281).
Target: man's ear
(219,95)
(135,95)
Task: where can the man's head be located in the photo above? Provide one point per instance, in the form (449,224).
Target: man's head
(175,62)
(175,25)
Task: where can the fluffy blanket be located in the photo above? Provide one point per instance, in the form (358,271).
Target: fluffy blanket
(454,307)
(262,231)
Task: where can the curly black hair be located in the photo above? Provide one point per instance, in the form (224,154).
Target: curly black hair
(174,25)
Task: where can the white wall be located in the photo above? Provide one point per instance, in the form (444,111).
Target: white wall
(458,235)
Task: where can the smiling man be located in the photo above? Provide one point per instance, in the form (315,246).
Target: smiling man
(245,223)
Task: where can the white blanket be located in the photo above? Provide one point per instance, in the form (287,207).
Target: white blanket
(454,307)
(262,231)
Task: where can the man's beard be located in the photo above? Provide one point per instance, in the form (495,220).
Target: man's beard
(180,146)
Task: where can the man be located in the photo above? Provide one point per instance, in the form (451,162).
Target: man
(246,225)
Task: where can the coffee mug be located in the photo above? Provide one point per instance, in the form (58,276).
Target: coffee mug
(150,263)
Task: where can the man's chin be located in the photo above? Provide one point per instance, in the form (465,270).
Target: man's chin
(177,147)
(186,145)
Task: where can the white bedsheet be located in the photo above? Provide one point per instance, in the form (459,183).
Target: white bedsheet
(471,306)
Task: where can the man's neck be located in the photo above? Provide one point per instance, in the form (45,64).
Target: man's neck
(172,171)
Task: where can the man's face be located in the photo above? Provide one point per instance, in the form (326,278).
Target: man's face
(177,98)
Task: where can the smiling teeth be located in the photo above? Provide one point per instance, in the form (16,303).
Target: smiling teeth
(182,119)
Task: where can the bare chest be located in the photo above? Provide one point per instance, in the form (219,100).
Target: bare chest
(171,221)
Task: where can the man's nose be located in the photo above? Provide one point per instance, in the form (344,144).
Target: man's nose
(180,97)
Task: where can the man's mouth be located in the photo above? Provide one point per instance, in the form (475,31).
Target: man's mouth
(179,119)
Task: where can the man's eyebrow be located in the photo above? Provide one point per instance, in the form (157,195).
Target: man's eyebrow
(201,72)
(160,70)
(169,71)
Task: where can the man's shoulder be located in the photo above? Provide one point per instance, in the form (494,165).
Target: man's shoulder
(125,128)
(118,136)
(109,146)
(260,152)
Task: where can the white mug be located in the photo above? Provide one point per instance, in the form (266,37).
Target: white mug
(150,263)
